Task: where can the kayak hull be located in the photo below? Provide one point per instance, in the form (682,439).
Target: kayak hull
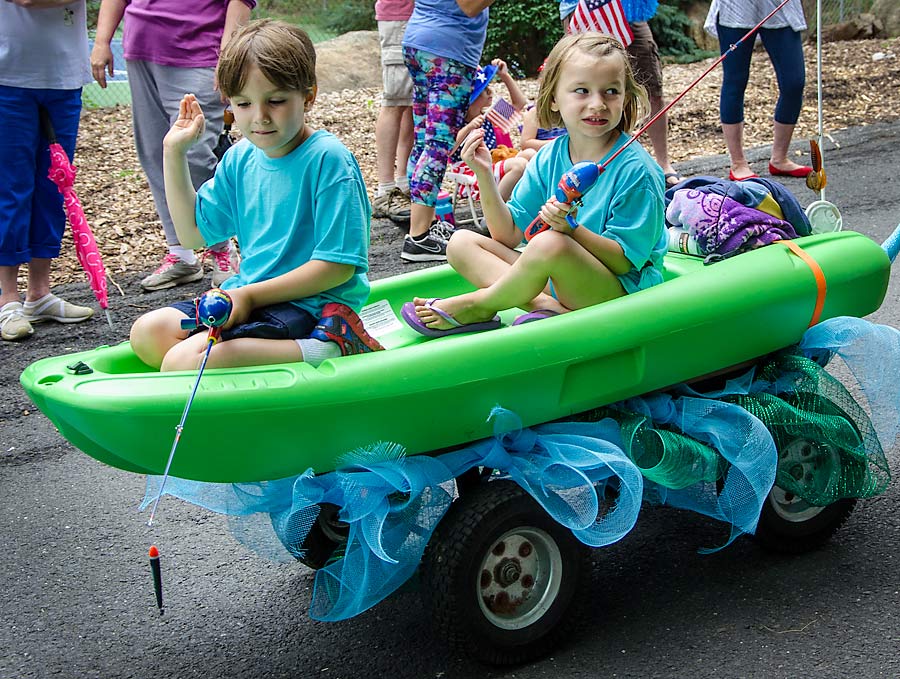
(270,422)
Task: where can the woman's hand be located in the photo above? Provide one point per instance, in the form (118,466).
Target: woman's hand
(553,213)
(475,152)
(101,63)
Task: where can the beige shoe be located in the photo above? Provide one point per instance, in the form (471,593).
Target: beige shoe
(226,264)
(53,308)
(398,206)
(173,271)
(381,205)
(13,324)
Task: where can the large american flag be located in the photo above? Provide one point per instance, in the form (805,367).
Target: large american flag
(606,16)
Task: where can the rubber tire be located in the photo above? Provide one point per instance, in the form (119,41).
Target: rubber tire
(322,541)
(776,534)
(451,573)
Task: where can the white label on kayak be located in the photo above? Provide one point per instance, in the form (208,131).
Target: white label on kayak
(380,319)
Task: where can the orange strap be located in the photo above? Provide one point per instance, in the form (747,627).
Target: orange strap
(821,286)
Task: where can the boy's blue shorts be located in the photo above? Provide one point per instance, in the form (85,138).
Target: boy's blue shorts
(278,321)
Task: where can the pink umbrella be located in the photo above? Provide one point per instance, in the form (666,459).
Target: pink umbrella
(62,173)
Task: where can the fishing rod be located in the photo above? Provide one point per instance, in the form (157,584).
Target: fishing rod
(212,310)
(823,216)
(576,181)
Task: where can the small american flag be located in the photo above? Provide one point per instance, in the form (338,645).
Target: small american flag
(606,16)
(504,115)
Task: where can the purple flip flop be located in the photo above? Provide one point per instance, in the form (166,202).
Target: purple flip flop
(408,311)
(537,315)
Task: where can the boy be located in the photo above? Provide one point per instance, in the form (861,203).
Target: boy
(293,196)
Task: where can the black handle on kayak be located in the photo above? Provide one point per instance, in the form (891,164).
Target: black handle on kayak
(47,124)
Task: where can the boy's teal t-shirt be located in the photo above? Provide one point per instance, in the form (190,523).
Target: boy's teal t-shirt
(284,212)
(626,204)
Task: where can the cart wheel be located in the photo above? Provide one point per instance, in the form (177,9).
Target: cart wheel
(326,538)
(790,524)
(506,581)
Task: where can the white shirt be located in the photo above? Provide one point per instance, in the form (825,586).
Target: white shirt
(44,48)
(748,13)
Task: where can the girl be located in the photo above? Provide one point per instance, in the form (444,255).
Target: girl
(618,241)
(506,171)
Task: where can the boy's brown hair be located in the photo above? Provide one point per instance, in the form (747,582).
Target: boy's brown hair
(283,53)
(635,106)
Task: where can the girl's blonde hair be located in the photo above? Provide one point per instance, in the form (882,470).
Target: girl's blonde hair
(283,53)
(635,106)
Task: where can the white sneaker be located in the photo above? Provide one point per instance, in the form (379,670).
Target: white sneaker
(226,263)
(173,271)
(53,308)
(13,324)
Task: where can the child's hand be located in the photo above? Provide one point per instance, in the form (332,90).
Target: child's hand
(475,152)
(186,131)
(502,68)
(553,213)
(475,124)
(241,306)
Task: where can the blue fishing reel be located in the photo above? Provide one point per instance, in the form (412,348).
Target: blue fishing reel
(211,309)
(574,183)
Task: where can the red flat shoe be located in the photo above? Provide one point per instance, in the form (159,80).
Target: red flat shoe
(740,179)
(800,172)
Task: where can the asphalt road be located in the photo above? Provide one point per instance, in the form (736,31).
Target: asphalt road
(77,599)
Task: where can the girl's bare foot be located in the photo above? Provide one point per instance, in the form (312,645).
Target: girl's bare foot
(461,308)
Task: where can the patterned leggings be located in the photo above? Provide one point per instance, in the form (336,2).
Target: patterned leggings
(441,90)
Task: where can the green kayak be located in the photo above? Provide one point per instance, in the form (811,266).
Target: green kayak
(270,422)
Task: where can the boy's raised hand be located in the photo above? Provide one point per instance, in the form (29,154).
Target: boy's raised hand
(186,130)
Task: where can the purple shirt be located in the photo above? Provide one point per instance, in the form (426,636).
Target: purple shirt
(175,32)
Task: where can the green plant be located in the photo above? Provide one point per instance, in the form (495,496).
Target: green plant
(671,29)
(93,9)
(522,33)
(350,15)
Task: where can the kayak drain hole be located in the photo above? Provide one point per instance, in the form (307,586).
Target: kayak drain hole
(50,379)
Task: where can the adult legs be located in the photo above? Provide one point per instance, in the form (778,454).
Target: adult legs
(404,146)
(32,219)
(388,130)
(156,92)
(440,98)
(394,127)
(735,76)
(645,59)
(785,50)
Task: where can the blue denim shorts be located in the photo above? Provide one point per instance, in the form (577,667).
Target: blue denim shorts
(278,321)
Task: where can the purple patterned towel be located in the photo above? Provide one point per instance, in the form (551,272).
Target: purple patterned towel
(723,226)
